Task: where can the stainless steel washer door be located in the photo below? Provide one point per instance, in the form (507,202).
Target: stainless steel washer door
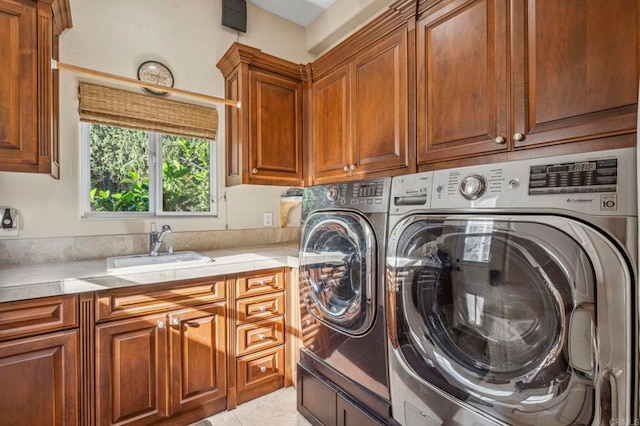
(337,270)
(501,312)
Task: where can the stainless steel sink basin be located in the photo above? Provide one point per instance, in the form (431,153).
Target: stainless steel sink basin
(144,262)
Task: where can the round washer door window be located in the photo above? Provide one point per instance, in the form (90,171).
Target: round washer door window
(487,303)
(337,270)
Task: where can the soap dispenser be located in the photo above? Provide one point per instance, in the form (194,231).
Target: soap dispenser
(8,221)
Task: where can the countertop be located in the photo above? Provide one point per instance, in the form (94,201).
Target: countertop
(31,281)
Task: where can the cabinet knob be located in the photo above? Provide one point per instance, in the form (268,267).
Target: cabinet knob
(175,321)
(262,282)
(353,167)
(263,308)
(518,137)
(263,368)
(307,322)
(261,337)
(499,140)
(161,324)
(254,171)
(345,168)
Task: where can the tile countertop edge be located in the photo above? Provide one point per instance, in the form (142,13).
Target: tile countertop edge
(85,276)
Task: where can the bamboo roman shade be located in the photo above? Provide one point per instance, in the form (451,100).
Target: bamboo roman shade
(115,107)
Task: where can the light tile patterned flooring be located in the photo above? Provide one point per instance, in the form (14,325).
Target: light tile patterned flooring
(275,409)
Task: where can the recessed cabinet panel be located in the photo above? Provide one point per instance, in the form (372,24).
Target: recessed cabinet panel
(462,89)
(131,370)
(380,106)
(197,370)
(18,88)
(276,125)
(331,128)
(38,380)
(575,69)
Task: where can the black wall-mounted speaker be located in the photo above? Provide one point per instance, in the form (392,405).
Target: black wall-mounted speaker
(234,14)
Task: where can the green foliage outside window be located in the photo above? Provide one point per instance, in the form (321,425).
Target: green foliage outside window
(120,171)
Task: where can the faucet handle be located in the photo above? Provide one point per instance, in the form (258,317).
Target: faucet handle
(170,250)
(166,228)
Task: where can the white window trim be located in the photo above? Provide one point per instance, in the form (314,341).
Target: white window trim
(155,192)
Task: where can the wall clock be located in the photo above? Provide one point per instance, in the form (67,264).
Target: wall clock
(156,73)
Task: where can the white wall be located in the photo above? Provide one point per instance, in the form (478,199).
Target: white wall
(115,36)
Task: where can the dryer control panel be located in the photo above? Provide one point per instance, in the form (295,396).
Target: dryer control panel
(574,178)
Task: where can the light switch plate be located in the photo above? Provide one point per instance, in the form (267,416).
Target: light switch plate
(267,219)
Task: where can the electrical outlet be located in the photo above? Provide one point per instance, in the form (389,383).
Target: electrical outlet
(267,219)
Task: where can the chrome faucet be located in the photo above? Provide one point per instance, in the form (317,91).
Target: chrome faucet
(156,240)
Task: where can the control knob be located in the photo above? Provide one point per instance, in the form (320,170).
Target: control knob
(332,193)
(473,186)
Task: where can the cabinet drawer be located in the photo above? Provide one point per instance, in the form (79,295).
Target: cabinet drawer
(29,317)
(260,307)
(260,373)
(260,335)
(123,303)
(260,283)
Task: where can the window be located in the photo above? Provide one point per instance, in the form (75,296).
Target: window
(136,172)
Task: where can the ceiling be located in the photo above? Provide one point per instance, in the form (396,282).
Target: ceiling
(302,12)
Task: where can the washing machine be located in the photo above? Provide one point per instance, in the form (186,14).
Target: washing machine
(342,265)
(511,292)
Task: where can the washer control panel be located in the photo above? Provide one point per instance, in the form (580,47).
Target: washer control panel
(574,178)
(473,186)
(368,196)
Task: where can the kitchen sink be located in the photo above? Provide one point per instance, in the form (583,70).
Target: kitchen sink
(144,262)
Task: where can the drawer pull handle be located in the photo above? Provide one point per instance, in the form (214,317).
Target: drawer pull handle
(175,321)
(161,324)
(263,308)
(262,282)
(263,368)
(261,337)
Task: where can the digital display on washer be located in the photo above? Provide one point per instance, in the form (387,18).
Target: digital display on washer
(575,167)
(578,177)
(368,189)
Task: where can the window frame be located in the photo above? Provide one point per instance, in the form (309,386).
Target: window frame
(155,180)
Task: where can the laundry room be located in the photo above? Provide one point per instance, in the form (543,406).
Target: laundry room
(325,212)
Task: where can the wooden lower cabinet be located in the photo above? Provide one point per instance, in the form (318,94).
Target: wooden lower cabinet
(39,380)
(153,367)
(323,404)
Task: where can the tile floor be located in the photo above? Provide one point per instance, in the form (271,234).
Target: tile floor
(275,409)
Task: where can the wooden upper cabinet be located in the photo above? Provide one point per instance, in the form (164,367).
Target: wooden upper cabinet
(264,136)
(361,102)
(331,150)
(380,106)
(28,87)
(494,76)
(575,69)
(461,79)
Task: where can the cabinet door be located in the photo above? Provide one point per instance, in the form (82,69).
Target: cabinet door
(198,369)
(331,140)
(39,380)
(131,371)
(350,414)
(461,79)
(275,129)
(380,105)
(18,86)
(575,69)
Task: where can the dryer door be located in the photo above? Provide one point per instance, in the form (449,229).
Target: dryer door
(501,312)
(337,270)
